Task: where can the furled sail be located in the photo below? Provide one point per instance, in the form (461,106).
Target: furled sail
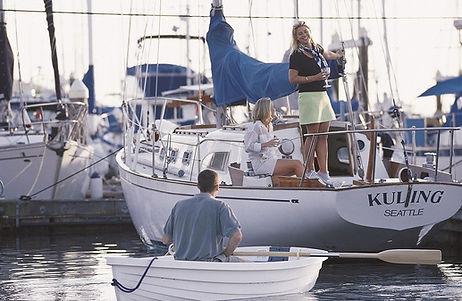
(6,65)
(236,76)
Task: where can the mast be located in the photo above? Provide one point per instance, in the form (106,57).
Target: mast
(321,34)
(89,77)
(1,12)
(188,38)
(54,57)
(221,112)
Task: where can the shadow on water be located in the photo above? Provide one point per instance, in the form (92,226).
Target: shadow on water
(69,263)
(374,280)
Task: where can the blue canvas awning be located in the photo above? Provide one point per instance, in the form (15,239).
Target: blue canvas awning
(166,76)
(449,86)
(236,76)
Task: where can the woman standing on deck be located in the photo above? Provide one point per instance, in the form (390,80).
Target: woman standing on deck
(307,68)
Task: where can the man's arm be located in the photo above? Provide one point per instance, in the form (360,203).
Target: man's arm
(233,242)
(166,240)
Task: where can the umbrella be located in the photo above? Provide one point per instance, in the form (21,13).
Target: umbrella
(449,86)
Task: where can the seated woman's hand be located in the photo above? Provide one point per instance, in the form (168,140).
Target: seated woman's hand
(271,143)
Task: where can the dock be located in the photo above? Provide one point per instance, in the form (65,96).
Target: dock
(110,209)
(448,238)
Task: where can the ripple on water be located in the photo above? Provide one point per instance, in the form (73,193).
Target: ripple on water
(70,264)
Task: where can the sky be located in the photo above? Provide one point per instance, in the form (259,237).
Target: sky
(422,40)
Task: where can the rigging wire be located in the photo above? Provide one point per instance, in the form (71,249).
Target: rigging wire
(22,109)
(356,49)
(21,91)
(455,17)
(199,70)
(356,150)
(158,49)
(29,197)
(37,176)
(386,53)
(124,105)
(124,95)
(252,30)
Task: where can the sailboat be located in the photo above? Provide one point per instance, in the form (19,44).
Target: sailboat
(447,144)
(161,160)
(43,144)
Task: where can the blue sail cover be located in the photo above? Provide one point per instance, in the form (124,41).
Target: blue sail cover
(236,76)
(6,65)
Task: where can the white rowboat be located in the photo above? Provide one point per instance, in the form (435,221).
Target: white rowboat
(169,279)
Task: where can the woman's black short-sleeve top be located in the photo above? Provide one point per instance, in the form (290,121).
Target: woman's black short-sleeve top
(306,66)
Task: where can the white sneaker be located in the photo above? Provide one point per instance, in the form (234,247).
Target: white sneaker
(311,174)
(324,177)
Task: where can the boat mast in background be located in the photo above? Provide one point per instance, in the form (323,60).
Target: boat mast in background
(458,26)
(61,113)
(188,57)
(321,21)
(394,94)
(89,77)
(54,57)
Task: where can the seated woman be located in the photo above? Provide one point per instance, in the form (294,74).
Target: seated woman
(260,144)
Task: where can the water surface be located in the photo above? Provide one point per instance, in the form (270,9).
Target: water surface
(69,263)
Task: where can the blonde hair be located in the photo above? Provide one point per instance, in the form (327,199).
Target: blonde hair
(262,109)
(294,45)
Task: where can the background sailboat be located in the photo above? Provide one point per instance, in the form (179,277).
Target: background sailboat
(46,145)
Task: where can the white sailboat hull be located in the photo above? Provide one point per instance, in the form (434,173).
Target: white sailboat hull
(169,279)
(359,218)
(27,168)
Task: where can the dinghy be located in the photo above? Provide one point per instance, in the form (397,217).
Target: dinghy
(268,271)
(169,279)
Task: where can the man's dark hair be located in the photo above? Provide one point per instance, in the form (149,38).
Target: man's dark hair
(207,180)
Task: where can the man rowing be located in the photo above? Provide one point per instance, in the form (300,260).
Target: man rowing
(199,225)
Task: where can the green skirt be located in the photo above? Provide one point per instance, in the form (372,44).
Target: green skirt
(314,107)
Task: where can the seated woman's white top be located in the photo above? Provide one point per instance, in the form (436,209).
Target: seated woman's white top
(263,159)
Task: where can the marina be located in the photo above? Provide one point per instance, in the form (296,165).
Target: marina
(328,168)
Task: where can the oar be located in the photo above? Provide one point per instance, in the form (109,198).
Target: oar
(405,256)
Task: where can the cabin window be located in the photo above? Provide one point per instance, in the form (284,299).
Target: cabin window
(343,156)
(216,161)
(361,144)
(173,155)
(187,155)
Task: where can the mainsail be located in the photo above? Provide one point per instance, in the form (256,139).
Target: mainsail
(236,76)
